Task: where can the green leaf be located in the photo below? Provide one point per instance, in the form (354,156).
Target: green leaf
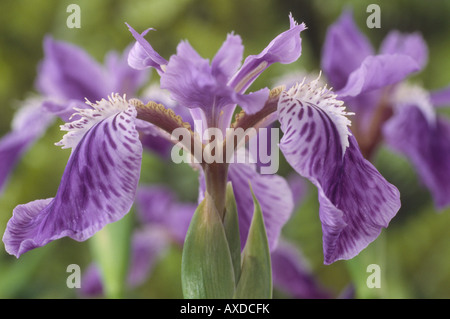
(256,272)
(111,251)
(206,266)
(231,225)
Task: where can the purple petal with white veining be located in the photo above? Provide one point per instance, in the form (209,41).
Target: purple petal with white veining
(285,48)
(142,55)
(411,44)
(292,276)
(344,50)
(97,187)
(29,123)
(427,146)
(356,202)
(378,72)
(68,72)
(273,194)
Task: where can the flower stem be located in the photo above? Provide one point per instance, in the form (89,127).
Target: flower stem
(216,177)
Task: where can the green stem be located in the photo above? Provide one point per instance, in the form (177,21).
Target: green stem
(216,177)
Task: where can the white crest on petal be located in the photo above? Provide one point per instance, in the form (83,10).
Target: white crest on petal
(317,94)
(91,116)
(407,94)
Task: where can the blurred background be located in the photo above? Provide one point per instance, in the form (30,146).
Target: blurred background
(413,253)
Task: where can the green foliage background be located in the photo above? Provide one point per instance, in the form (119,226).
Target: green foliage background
(414,252)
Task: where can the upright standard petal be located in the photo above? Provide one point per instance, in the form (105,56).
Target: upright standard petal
(344,50)
(98,184)
(67,72)
(228,59)
(426,145)
(285,48)
(356,202)
(29,123)
(142,55)
(189,79)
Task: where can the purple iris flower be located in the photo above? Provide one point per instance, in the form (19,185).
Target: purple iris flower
(66,77)
(316,141)
(102,174)
(387,107)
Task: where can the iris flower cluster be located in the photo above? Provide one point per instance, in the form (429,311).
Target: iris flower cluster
(107,123)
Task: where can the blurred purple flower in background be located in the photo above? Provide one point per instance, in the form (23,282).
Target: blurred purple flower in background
(66,77)
(386,106)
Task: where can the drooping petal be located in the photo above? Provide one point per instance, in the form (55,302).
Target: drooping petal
(440,98)
(410,44)
(273,194)
(142,55)
(98,184)
(29,123)
(344,50)
(427,146)
(292,275)
(157,206)
(68,72)
(285,48)
(189,79)
(378,72)
(356,202)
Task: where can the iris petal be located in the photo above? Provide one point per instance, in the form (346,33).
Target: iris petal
(344,49)
(142,55)
(68,72)
(426,145)
(97,187)
(440,97)
(356,202)
(377,72)
(285,48)
(273,194)
(411,44)
(29,123)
